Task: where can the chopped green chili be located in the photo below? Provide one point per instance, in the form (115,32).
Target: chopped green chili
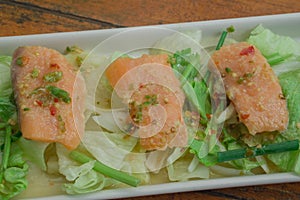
(35,73)
(59,93)
(53,77)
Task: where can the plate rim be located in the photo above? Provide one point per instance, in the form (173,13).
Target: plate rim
(191,185)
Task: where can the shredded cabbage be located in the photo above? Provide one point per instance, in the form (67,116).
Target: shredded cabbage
(82,178)
(109,148)
(178,171)
(38,155)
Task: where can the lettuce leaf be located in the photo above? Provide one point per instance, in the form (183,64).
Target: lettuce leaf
(38,155)
(286,67)
(109,148)
(5,81)
(272,45)
(82,178)
(210,159)
(290,83)
(178,41)
(288,51)
(230,143)
(135,164)
(7,109)
(180,170)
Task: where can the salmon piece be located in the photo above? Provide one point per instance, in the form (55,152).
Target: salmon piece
(50,96)
(122,65)
(155,99)
(252,87)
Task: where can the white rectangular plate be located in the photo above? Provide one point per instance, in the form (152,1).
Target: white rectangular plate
(285,24)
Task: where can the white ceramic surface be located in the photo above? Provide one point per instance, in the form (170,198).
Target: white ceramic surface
(285,24)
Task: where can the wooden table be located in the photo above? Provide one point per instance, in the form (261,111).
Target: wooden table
(34,17)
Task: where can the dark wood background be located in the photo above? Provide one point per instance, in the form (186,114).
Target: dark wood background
(47,16)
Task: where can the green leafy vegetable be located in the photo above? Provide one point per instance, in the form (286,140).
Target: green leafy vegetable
(197,147)
(276,59)
(232,143)
(187,64)
(82,178)
(13,169)
(109,148)
(38,155)
(202,94)
(90,182)
(6,152)
(5,82)
(290,83)
(184,169)
(7,109)
(276,48)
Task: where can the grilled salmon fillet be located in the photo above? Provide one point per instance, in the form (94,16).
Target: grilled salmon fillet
(50,95)
(252,87)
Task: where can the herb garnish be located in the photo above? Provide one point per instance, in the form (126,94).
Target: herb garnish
(59,93)
(53,77)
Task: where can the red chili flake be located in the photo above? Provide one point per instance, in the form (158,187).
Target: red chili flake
(141,85)
(208,115)
(53,110)
(56,100)
(247,51)
(38,102)
(245,116)
(56,66)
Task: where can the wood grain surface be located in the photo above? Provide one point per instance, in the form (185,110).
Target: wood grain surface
(47,16)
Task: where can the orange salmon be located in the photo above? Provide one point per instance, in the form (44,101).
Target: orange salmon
(252,87)
(50,96)
(152,91)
